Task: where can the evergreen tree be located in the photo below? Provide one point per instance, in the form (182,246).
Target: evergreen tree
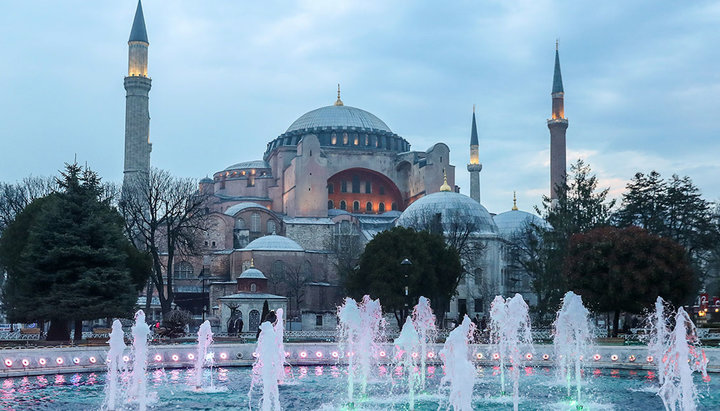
(73,264)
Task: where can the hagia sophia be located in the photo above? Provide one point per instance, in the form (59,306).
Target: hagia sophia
(324,187)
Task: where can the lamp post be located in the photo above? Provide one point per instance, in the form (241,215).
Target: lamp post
(406,267)
(202,278)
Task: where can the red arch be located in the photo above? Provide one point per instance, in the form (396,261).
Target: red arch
(383,190)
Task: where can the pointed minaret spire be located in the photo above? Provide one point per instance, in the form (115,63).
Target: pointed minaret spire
(474,167)
(445,187)
(514,207)
(138,32)
(558,125)
(339,102)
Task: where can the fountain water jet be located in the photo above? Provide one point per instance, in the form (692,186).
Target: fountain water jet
(138,379)
(266,368)
(350,329)
(512,338)
(659,337)
(406,344)
(681,358)
(459,370)
(572,340)
(372,324)
(114,361)
(424,322)
(279,328)
(205,338)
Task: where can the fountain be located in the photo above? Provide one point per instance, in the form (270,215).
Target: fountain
(279,328)
(511,336)
(682,356)
(659,336)
(572,340)
(459,370)
(372,323)
(424,322)
(268,364)
(205,338)
(137,392)
(114,364)
(350,329)
(406,346)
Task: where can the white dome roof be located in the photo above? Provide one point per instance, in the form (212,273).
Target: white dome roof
(452,207)
(511,221)
(273,242)
(252,272)
(338,117)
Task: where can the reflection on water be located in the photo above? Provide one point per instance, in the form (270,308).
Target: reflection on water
(324,387)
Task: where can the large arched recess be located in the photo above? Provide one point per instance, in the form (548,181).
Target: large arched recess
(351,185)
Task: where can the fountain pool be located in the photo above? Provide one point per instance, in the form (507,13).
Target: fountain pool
(324,387)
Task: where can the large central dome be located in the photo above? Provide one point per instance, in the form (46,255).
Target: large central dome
(338,117)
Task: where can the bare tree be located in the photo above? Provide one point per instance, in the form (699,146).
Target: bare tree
(296,280)
(15,197)
(164,215)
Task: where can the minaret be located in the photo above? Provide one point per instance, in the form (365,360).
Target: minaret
(474,167)
(137,87)
(558,124)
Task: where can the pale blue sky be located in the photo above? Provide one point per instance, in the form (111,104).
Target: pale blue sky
(641,79)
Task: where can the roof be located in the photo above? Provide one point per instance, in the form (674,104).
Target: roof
(512,221)
(207,180)
(253,296)
(253,272)
(232,210)
(338,117)
(248,164)
(138,31)
(453,208)
(308,220)
(557,76)
(473,132)
(273,242)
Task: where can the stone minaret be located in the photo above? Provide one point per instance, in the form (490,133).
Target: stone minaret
(558,124)
(474,167)
(137,87)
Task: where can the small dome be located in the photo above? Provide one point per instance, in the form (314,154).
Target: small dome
(452,207)
(273,242)
(512,221)
(246,165)
(252,272)
(206,180)
(338,117)
(234,209)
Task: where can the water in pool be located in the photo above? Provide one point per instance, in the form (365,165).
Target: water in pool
(325,388)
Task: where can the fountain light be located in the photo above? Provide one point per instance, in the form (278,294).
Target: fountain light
(335,354)
(350,353)
(303,354)
(25,362)
(255,354)
(8,362)
(529,356)
(191,356)
(496,356)
(158,357)
(287,354)
(223,356)
(319,354)
(175,357)
(632,358)
(431,354)
(546,357)
(126,358)
(614,357)
(597,357)
(42,361)
(382,353)
(92,360)
(650,358)
(76,360)
(59,361)
(414,355)
(479,356)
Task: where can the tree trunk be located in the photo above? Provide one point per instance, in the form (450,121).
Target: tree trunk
(148,295)
(616,322)
(59,331)
(78,331)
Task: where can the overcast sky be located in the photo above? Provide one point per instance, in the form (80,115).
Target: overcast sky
(642,83)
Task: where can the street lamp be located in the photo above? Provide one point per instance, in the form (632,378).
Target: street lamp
(406,267)
(202,278)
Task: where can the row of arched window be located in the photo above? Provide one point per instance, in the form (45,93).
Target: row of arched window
(366,140)
(255,224)
(356,206)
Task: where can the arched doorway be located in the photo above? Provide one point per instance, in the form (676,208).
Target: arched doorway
(254,320)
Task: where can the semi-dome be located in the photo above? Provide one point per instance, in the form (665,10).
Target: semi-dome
(514,220)
(252,272)
(453,208)
(338,117)
(273,242)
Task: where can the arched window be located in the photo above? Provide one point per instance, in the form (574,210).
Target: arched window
(345,139)
(343,186)
(393,206)
(255,222)
(271,226)
(331,188)
(356,206)
(331,205)
(253,288)
(183,270)
(368,187)
(381,207)
(368,207)
(254,320)
(278,269)
(333,139)
(356,141)
(343,206)
(367,140)
(355,184)
(306,269)
(239,224)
